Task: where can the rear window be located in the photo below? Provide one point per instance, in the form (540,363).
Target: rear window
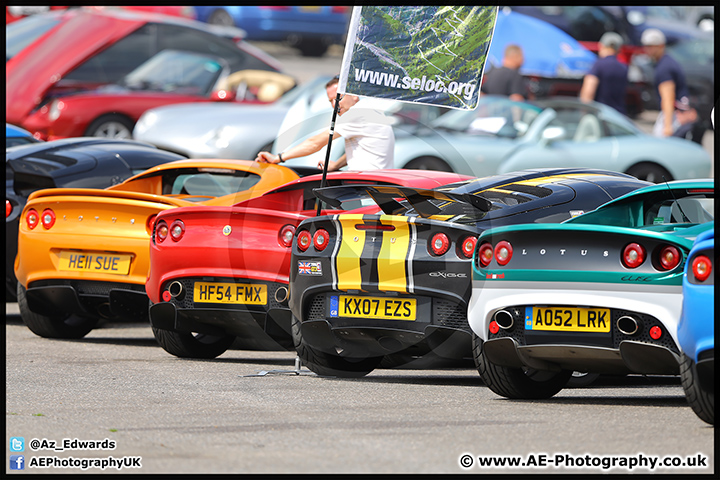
(207,182)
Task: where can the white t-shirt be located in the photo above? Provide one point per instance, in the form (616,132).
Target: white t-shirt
(369,137)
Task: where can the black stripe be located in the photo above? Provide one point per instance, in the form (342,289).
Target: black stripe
(369,256)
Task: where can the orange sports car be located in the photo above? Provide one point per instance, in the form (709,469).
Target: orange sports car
(83,254)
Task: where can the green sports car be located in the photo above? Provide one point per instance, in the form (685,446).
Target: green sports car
(599,293)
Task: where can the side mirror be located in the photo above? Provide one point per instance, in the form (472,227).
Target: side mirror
(222,96)
(552,134)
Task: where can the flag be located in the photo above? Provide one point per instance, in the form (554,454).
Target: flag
(432,54)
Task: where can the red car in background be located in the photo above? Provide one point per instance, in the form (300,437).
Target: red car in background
(101,47)
(221,273)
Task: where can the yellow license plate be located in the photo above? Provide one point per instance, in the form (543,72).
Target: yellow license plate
(310,9)
(391,308)
(567,319)
(94,262)
(233,293)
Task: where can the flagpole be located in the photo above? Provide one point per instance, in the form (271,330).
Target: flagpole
(329,145)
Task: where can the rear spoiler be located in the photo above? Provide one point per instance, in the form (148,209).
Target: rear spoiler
(385,196)
(96,192)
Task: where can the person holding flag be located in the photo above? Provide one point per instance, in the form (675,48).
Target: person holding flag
(368,134)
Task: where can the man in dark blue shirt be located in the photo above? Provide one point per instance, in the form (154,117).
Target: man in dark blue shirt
(669,81)
(506,79)
(607,79)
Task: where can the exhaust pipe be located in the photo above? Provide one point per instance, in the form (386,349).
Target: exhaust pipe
(176,290)
(104,310)
(504,319)
(627,325)
(281,294)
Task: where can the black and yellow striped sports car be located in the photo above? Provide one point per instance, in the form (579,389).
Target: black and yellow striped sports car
(397,284)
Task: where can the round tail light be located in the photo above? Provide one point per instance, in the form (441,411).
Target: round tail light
(161,232)
(485,254)
(439,243)
(669,257)
(468,246)
(503,252)
(8,208)
(304,240)
(701,268)
(177,230)
(494,327)
(633,255)
(286,235)
(47,218)
(32,218)
(321,239)
(655,332)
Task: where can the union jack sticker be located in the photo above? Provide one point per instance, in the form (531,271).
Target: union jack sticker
(310,268)
(493,276)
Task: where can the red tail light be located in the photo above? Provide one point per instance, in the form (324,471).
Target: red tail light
(177,230)
(321,239)
(485,254)
(503,252)
(32,218)
(149,223)
(304,240)
(161,232)
(468,246)
(701,268)
(669,257)
(494,327)
(47,218)
(439,244)
(8,208)
(286,235)
(655,332)
(633,255)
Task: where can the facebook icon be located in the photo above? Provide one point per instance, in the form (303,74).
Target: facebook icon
(17,462)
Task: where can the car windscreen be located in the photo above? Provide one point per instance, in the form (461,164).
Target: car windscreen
(495,116)
(22,33)
(176,71)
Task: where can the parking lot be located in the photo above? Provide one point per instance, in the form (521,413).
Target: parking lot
(139,409)
(186,416)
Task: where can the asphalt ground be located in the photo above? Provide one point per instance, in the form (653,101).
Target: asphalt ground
(226,416)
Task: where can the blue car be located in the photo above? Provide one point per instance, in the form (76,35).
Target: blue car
(310,29)
(696,331)
(17,136)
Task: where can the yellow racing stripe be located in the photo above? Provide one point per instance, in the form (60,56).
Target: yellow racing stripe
(392,265)
(347,261)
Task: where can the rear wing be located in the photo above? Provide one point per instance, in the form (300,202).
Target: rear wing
(389,198)
(182,201)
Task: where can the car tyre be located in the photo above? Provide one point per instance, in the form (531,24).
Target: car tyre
(312,48)
(192,345)
(649,172)
(60,326)
(221,17)
(111,126)
(428,163)
(701,401)
(326,364)
(518,383)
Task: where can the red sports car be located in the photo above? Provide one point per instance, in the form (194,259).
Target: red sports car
(217,273)
(130,50)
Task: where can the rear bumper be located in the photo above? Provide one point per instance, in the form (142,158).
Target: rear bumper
(121,301)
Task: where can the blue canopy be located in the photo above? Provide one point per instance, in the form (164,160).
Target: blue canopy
(547,50)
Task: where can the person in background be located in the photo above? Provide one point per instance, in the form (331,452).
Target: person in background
(687,118)
(607,80)
(506,80)
(368,134)
(669,81)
